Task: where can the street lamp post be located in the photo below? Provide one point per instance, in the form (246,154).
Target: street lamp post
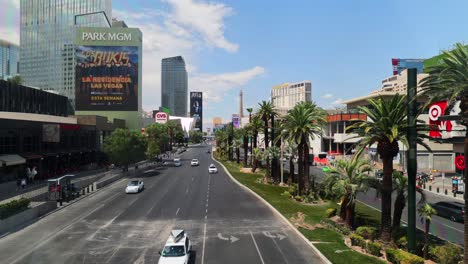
(281,160)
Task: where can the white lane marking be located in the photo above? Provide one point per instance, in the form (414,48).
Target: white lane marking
(206,211)
(186,191)
(204,241)
(256,246)
(281,251)
(177,211)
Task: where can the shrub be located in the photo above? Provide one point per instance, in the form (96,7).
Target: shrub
(447,254)
(398,256)
(298,198)
(374,248)
(13,207)
(367,232)
(402,242)
(286,193)
(357,240)
(331,212)
(310,198)
(292,189)
(337,227)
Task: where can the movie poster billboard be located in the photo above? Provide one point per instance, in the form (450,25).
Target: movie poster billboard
(106,78)
(196,111)
(235,120)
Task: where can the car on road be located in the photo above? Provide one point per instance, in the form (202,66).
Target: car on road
(177,162)
(451,210)
(208,151)
(212,169)
(135,186)
(194,162)
(177,248)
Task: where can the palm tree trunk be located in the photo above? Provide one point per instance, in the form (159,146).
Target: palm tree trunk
(426,238)
(300,166)
(344,202)
(254,165)
(291,171)
(386,215)
(246,150)
(399,206)
(238,155)
(350,215)
(306,167)
(255,136)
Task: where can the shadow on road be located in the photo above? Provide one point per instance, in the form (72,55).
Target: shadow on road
(193,257)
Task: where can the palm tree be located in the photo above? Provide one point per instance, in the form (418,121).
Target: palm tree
(387,125)
(345,180)
(301,124)
(274,153)
(257,155)
(292,151)
(449,81)
(426,212)
(400,184)
(265,112)
(221,137)
(237,144)
(255,126)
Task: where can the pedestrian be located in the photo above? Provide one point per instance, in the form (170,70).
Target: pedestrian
(23,183)
(18,184)
(33,173)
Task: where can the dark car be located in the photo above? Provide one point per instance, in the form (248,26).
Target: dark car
(451,210)
(208,151)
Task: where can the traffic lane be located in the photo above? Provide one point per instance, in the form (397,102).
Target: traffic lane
(440,227)
(239,222)
(98,236)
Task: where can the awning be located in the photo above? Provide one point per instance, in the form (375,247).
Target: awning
(11,160)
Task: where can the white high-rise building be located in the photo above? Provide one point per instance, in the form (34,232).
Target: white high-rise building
(285,96)
(47,41)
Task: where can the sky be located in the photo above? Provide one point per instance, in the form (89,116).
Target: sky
(343,47)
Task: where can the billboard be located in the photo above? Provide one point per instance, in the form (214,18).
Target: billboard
(196,109)
(402,64)
(161,117)
(236,120)
(444,128)
(106,78)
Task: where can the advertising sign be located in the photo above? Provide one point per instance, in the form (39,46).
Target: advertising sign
(444,129)
(402,64)
(161,117)
(196,110)
(235,120)
(106,78)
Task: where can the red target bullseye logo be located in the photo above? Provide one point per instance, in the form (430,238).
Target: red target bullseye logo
(460,162)
(434,112)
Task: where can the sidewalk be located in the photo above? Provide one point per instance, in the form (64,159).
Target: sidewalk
(442,184)
(8,190)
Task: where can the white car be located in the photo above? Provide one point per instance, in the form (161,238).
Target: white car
(212,169)
(135,186)
(194,162)
(177,248)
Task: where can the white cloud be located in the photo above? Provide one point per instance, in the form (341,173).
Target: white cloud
(9,23)
(337,101)
(214,86)
(327,96)
(205,18)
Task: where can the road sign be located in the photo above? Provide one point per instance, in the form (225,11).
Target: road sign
(161,117)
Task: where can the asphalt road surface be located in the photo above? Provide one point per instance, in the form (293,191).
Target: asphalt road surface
(225,223)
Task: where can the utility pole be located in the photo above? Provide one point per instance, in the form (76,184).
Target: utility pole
(273,160)
(412,163)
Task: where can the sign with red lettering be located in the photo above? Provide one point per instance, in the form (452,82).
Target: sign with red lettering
(460,162)
(161,117)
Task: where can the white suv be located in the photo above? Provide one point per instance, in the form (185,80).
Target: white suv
(194,162)
(177,248)
(212,169)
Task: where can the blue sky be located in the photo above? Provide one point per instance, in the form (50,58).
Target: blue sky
(343,47)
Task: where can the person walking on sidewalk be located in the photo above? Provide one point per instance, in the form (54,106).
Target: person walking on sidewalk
(23,183)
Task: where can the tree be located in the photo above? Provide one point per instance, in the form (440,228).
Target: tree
(196,136)
(292,151)
(302,123)
(265,112)
(16,80)
(243,135)
(221,137)
(172,127)
(257,155)
(449,81)
(386,125)
(125,147)
(255,126)
(237,144)
(426,212)
(158,139)
(400,184)
(344,181)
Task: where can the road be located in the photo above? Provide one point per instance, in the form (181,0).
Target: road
(225,223)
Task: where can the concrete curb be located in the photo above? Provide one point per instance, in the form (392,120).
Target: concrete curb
(273,209)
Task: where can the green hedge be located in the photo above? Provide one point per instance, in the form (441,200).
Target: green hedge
(330,212)
(13,207)
(357,240)
(398,256)
(374,248)
(447,254)
(402,242)
(367,232)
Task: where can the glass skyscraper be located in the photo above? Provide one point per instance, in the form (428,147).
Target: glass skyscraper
(174,91)
(47,38)
(9,59)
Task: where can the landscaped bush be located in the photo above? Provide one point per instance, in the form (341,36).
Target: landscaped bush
(398,256)
(298,198)
(337,227)
(367,232)
(402,242)
(374,248)
(292,189)
(13,207)
(330,212)
(447,254)
(357,240)
(310,198)
(286,193)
